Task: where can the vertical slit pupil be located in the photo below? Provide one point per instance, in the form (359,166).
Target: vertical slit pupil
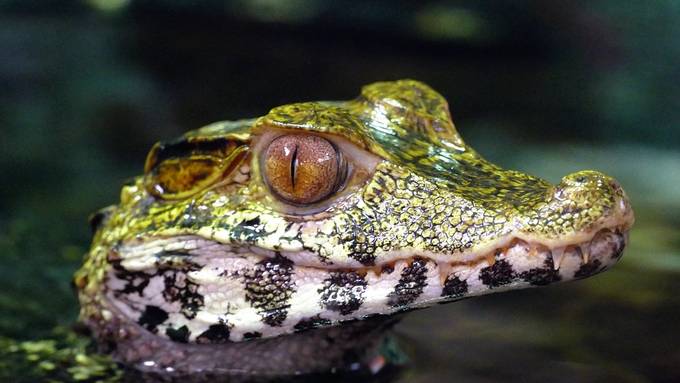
(322,168)
(293,166)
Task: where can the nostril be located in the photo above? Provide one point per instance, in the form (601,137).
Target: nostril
(586,187)
(584,178)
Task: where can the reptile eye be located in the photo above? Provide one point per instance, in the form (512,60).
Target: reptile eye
(303,169)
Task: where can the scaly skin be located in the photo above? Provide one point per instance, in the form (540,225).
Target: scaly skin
(422,219)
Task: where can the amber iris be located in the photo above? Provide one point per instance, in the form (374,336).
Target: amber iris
(302,169)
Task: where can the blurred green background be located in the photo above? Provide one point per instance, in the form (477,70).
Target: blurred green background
(86,87)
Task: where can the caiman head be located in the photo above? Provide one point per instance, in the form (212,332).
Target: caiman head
(324,212)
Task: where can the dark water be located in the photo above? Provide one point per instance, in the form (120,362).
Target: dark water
(86,87)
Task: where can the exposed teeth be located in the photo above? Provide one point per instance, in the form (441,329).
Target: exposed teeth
(585,252)
(558,256)
(444,271)
(143,256)
(491,258)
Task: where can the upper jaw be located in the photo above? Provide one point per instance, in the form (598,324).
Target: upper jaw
(141,253)
(605,245)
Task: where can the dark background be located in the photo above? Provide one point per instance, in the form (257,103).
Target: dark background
(86,87)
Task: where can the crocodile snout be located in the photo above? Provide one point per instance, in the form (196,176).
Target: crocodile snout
(595,195)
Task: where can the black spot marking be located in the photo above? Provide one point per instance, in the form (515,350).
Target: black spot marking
(588,269)
(152,317)
(135,281)
(180,335)
(454,287)
(311,323)
(247,231)
(179,288)
(251,222)
(542,276)
(498,274)
(269,287)
(410,285)
(252,335)
(365,258)
(361,243)
(619,246)
(343,292)
(217,333)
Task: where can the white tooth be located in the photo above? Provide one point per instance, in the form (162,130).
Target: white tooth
(558,256)
(444,271)
(491,259)
(585,252)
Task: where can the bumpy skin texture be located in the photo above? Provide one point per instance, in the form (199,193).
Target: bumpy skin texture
(200,250)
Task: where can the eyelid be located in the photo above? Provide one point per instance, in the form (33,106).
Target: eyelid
(186,176)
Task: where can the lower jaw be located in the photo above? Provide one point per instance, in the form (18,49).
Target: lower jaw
(231,293)
(355,346)
(358,348)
